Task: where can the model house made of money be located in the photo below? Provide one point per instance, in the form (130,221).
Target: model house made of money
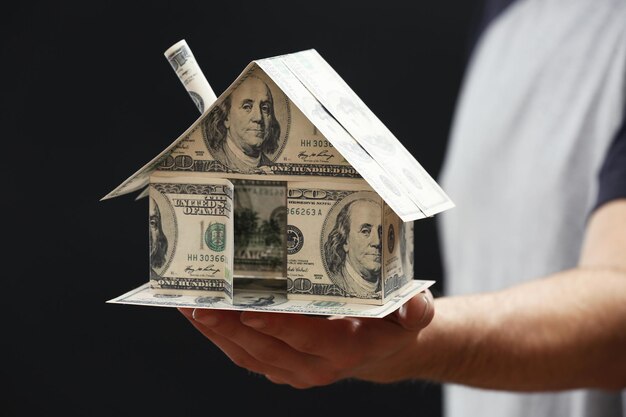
(287,178)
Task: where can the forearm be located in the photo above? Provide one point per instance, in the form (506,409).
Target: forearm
(564,331)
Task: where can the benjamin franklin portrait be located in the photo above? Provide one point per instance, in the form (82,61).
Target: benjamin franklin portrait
(353,249)
(243,130)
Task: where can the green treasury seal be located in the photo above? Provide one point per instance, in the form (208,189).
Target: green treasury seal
(215,236)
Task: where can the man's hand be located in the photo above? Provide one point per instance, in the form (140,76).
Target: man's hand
(307,351)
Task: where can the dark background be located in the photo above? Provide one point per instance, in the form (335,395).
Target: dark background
(87,99)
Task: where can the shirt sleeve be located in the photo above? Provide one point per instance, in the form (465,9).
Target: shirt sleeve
(612,176)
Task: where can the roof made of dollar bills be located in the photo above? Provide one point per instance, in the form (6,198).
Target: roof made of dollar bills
(377,155)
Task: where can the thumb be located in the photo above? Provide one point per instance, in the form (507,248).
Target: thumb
(416,313)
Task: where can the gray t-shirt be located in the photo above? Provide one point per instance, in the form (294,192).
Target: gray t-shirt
(543,99)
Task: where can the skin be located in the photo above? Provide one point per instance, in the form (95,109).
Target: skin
(249,115)
(563,331)
(363,249)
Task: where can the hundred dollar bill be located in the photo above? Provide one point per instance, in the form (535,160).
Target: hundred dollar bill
(270,302)
(255,129)
(188,71)
(260,228)
(362,124)
(191,234)
(344,242)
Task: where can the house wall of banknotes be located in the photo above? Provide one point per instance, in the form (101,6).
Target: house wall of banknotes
(335,242)
(191,234)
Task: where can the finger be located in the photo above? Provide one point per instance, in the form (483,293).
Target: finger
(322,337)
(262,347)
(416,313)
(275,379)
(237,354)
(187,312)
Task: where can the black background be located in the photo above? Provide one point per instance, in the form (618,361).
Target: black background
(87,99)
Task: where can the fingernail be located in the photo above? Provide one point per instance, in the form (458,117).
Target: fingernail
(402,312)
(255,323)
(426,307)
(206,319)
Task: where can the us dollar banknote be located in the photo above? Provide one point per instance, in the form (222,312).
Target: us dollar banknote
(191,234)
(343,242)
(260,228)
(184,63)
(247,132)
(255,129)
(271,301)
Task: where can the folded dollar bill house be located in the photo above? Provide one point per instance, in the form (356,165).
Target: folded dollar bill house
(286,178)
